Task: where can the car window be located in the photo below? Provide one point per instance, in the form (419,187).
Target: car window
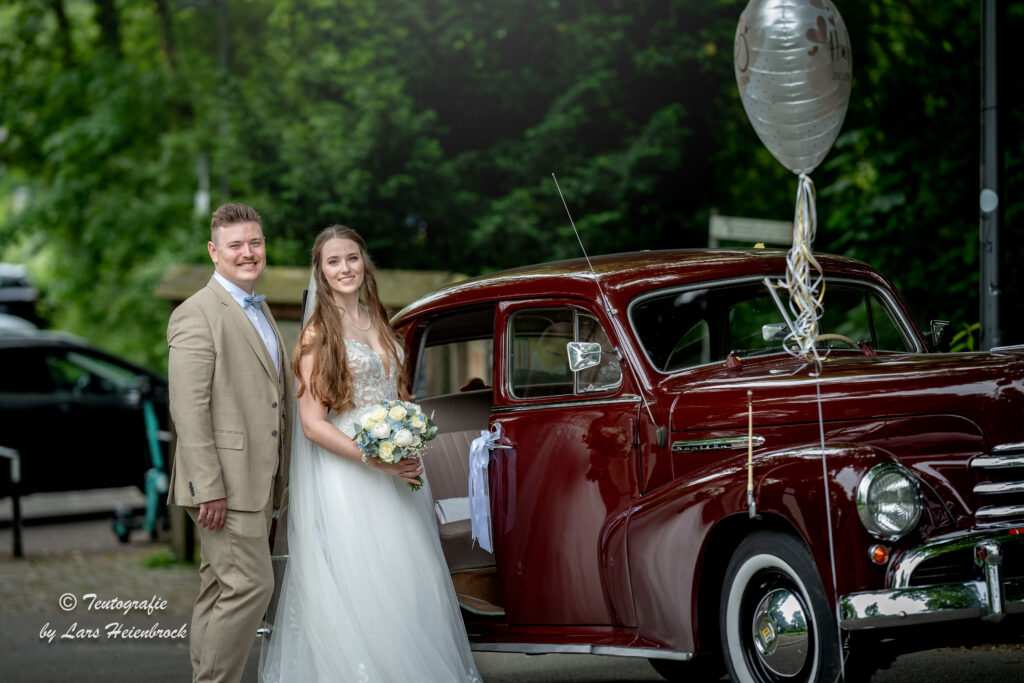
(684,328)
(81,373)
(688,327)
(457,355)
(539,362)
(860,315)
(24,372)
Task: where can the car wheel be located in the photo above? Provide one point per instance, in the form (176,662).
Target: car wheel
(775,623)
(707,667)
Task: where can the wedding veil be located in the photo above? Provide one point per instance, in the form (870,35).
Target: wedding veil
(284,628)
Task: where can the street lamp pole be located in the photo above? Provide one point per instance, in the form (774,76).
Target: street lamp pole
(991,166)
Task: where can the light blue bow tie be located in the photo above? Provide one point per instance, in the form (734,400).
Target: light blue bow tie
(252,300)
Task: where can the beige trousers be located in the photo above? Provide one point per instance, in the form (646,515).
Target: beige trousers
(236,581)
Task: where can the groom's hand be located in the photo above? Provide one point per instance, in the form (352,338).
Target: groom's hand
(212,514)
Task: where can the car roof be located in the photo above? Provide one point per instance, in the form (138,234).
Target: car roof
(56,339)
(621,276)
(18,336)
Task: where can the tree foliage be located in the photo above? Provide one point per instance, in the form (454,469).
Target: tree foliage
(434,127)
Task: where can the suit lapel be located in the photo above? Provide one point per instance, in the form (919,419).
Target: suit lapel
(282,356)
(241,322)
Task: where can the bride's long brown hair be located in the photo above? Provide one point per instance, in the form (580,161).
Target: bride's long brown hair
(330,380)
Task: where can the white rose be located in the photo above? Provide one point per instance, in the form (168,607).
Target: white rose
(386,452)
(381,430)
(416,423)
(403,437)
(367,421)
(416,442)
(377,413)
(397,412)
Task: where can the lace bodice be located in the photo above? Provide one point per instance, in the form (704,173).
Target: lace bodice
(370,383)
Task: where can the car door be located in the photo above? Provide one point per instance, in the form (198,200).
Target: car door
(29,421)
(96,410)
(560,541)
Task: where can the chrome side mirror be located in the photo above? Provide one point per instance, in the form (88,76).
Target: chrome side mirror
(940,330)
(583,355)
(774,331)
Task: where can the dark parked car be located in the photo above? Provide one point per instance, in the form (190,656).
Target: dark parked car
(74,412)
(638,402)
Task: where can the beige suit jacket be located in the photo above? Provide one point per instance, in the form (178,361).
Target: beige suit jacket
(229,406)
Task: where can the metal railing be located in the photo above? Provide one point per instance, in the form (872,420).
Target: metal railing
(15,465)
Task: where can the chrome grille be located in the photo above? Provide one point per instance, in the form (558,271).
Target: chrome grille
(999,486)
(959,564)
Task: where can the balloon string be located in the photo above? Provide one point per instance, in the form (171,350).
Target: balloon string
(806,293)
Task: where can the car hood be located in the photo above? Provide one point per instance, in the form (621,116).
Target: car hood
(985,388)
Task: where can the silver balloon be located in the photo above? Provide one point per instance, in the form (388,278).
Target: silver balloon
(793,63)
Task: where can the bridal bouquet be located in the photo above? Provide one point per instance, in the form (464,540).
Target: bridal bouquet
(394,430)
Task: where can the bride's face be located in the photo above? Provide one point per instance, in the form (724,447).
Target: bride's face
(342,264)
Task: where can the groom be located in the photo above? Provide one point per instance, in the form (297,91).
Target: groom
(229,388)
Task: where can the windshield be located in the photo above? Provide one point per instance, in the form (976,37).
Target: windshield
(686,327)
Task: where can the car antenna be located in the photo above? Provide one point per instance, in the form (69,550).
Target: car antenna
(662,433)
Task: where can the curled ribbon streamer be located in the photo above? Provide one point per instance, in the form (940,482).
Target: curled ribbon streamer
(479,504)
(806,293)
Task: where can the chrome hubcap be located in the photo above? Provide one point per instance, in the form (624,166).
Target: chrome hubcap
(781,632)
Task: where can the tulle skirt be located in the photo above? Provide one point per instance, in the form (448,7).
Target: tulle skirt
(366,594)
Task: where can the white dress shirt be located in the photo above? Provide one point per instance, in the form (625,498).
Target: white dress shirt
(256,317)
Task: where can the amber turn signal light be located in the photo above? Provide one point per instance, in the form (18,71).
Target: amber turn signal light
(879,554)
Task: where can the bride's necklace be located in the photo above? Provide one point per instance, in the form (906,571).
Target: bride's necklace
(352,320)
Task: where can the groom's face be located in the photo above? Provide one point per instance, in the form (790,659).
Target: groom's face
(239,253)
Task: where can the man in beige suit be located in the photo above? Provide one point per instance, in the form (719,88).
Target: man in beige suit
(229,387)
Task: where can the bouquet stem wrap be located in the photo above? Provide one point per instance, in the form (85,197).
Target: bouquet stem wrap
(479,504)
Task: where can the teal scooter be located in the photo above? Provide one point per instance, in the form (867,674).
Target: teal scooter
(156,484)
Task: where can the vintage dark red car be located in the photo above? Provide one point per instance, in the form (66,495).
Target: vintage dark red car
(632,406)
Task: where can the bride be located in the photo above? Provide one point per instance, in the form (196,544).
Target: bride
(366,594)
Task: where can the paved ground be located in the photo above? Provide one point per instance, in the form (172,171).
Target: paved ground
(83,557)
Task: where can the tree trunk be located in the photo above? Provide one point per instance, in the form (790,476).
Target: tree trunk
(64,31)
(109,23)
(166,33)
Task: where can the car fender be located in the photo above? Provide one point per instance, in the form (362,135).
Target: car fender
(681,535)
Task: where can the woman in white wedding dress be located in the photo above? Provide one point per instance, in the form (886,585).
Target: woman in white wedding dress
(366,594)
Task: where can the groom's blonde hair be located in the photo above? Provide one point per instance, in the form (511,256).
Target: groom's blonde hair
(232,214)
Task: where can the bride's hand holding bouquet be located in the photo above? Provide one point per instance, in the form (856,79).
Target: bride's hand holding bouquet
(393,432)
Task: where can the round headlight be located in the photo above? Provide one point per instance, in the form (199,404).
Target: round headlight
(888,501)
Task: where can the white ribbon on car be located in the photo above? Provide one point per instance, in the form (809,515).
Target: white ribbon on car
(479,503)
(806,289)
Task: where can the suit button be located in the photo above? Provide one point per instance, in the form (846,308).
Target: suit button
(274,404)
(273,433)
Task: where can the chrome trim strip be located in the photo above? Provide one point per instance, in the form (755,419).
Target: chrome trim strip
(724,443)
(992,512)
(1015,348)
(1009,448)
(997,462)
(995,488)
(583,649)
(647,652)
(625,398)
(531,648)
